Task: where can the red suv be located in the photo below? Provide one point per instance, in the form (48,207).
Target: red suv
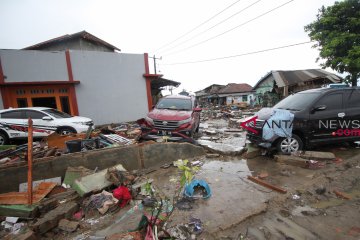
(176,117)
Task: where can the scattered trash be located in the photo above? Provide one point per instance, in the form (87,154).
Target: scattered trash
(185,203)
(312,164)
(263,175)
(320,190)
(123,195)
(295,197)
(197,189)
(102,202)
(342,195)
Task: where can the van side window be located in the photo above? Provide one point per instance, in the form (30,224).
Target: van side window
(354,99)
(331,101)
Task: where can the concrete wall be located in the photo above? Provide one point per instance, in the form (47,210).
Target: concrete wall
(33,66)
(112,87)
(131,157)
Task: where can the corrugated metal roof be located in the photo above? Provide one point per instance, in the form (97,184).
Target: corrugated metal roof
(82,34)
(289,78)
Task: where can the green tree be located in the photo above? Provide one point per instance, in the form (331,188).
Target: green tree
(337,33)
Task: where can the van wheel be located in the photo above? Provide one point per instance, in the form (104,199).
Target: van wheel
(290,145)
(4,139)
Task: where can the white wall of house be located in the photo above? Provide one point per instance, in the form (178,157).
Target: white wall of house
(112,88)
(238,97)
(33,66)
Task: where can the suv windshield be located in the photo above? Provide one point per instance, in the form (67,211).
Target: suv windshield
(57,114)
(175,104)
(297,102)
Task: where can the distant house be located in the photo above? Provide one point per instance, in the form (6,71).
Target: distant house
(236,93)
(233,93)
(277,85)
(82,75)
(209,94)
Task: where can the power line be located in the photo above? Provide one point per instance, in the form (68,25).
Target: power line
(181,43)
(253,19)
(239,55)
(187,33)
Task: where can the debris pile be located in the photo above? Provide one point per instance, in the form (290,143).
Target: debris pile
(57,145)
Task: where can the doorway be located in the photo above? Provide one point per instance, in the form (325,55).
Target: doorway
(44,102)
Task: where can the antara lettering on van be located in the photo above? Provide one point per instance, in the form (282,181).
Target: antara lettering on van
(271,124)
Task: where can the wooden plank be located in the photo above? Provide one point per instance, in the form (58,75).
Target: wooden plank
(265,184)
(22,197)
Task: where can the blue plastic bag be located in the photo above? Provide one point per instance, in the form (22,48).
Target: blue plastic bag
(190,188)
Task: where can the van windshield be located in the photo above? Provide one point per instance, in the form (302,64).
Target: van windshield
(297,102)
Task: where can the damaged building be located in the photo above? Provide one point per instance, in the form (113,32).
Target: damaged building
(80,74)
(231,94)
(277,85)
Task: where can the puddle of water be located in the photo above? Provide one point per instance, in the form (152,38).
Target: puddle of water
(336,201)
(297,211)
(239,168)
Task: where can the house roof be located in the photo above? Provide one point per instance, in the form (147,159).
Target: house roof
(289,78)
(162,82)
(82,34)
(235,88)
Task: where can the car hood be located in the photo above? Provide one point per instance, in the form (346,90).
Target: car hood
(74,119)
(169,115)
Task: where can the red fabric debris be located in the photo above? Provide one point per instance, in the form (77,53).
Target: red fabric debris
(122,193)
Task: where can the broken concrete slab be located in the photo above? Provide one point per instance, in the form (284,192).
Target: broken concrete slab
(68,226)
(94,182)
(52,218)
(314,155)
(291,160)
(73,173)
(225,146)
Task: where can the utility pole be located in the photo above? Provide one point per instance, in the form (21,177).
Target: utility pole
(154,59)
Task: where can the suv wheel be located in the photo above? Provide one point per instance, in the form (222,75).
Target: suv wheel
(289,145)
(3,139)
(65,131)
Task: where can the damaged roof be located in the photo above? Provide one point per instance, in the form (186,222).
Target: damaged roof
(236,88)
(162,82)
(289,78)
(83,34)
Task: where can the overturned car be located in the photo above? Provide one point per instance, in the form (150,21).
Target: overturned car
(306,119)
(175,118)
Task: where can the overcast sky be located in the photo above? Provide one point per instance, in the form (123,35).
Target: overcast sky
(139,26)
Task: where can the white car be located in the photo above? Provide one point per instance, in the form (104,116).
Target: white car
(14,123)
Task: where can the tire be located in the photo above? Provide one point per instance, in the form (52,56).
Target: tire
(65,131)
(290,145)
(4,139)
